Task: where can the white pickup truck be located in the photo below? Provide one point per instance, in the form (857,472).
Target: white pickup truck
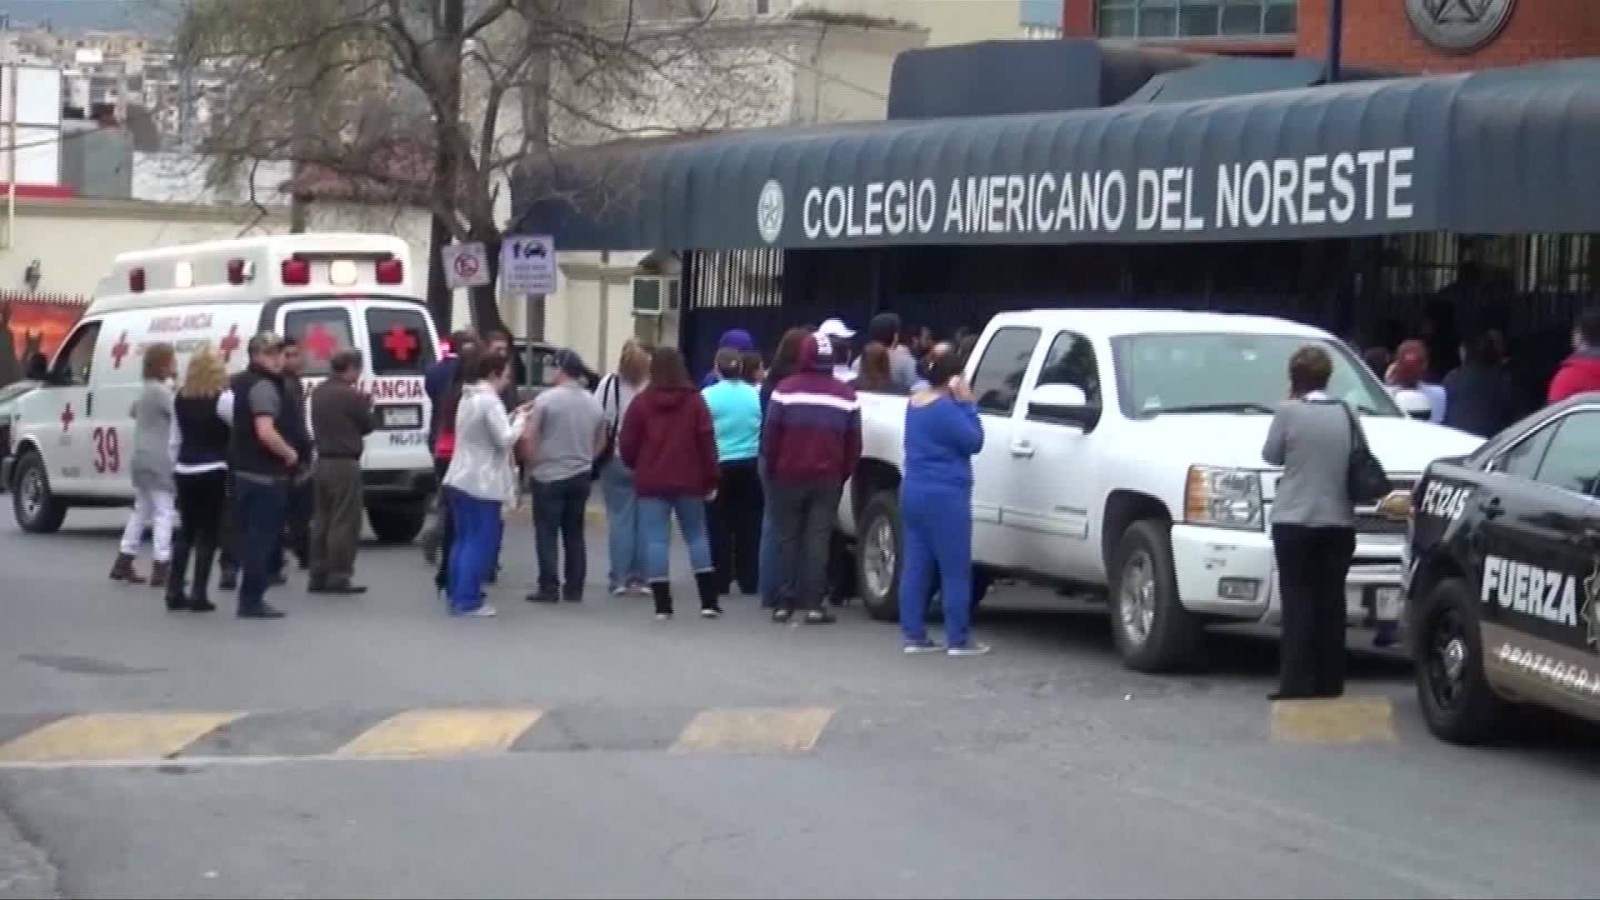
(1122,459)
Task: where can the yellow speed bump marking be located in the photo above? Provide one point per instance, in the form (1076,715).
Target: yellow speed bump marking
(99,737)
(443,732)
(753,731)
(1335,720)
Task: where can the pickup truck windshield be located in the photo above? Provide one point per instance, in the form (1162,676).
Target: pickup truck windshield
(1159,374)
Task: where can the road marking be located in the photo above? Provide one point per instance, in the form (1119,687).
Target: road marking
(114,736)
(753,731)
(1335,720)
(443,732)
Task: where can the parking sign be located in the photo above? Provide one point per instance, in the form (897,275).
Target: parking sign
(528,264)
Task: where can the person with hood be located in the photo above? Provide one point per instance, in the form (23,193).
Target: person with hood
(785,362)
(1483,395)
(1581,371)
(733,339)
(669,442)
(811,442)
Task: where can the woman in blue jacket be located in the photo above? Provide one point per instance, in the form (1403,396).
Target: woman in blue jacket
(942,435)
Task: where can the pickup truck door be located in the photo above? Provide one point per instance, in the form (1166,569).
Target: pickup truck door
(999,473)
(1048,511)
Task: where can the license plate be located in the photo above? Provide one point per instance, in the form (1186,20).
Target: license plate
(396,418)
(1387,604)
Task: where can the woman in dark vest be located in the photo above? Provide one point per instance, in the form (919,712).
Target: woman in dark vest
(200,439)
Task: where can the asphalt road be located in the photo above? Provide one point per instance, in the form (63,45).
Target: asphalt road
(374,747)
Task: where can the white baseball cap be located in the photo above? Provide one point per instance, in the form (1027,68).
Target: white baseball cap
(835,328)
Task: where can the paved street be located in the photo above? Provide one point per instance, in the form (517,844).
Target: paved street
(372,746)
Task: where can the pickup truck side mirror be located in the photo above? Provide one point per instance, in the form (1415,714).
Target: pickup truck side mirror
(1064,404)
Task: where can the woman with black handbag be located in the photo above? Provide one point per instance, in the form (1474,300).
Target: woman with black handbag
(1326,467)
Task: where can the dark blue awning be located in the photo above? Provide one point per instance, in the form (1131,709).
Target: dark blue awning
(1498,151)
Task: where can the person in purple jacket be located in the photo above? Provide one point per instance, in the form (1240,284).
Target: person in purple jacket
(942,435)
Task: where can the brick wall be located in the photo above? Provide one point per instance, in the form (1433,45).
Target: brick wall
(1377,33)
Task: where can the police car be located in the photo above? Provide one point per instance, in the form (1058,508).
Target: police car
(1503,575)
(72,437)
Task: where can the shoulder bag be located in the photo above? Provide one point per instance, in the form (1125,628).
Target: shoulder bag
(1366,481)
(613,422)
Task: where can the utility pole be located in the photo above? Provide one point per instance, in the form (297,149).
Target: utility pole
(1335,39)
(441,300)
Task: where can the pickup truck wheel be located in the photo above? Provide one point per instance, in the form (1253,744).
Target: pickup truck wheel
(878,557)
(37,511)
(1457,702)
(1153,632)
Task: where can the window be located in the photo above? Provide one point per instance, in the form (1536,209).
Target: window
(76,358)
(1071,361)
(1203,372)
(400,342)
(998,378)
(320,333)
(1572,462)
(1196,18)
(1522,460)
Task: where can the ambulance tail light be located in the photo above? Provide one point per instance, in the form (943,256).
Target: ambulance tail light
(297,272)
(390,271)
(136,281)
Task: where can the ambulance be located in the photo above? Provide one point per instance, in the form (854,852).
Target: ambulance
(72,438)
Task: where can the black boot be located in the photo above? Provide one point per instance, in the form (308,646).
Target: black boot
(200,593)
(663,594)
(180,564)
(709,592)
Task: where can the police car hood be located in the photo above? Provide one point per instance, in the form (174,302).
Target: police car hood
(1403,446)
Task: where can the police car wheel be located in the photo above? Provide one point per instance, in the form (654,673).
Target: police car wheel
(397,524)
(1456,700)
(36,509)
(1153,632)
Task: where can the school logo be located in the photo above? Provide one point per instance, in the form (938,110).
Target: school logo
(1458,26)
(769,211)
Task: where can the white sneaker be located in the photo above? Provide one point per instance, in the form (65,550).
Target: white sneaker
(483,612)
(972,648)
(621,590)
(710,613)
(663,617)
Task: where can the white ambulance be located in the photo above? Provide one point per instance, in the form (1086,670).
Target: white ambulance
(72,439)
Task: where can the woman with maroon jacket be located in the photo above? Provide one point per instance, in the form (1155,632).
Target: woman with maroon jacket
(668,442)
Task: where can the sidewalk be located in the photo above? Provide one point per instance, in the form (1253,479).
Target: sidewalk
(25,871)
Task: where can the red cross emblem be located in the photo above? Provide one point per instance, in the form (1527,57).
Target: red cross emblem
(119,351)
(320,342)
(399,342)
(67,417)
(229,343)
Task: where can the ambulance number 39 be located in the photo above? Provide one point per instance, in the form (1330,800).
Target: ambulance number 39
(107,451)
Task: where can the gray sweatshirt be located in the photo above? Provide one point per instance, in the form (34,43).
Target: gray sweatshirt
(152,438)
(1311,439)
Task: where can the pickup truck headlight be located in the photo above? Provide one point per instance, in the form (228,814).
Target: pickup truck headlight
(1223,498)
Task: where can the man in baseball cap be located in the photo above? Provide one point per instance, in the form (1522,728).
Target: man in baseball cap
(839,335)
(569,429)
(262,461)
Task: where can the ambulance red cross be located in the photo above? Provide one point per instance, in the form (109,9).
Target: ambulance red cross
(329,292)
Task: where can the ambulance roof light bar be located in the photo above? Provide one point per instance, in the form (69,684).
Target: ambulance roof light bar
(296,271)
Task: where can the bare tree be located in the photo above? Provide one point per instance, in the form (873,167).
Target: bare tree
(433,103)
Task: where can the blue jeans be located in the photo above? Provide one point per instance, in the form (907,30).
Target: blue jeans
(938,540)
(655,520)
(558,518)
(477,529)
(769,579)
(258,511)
(624,540)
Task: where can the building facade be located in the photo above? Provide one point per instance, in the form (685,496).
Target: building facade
(1411,36)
